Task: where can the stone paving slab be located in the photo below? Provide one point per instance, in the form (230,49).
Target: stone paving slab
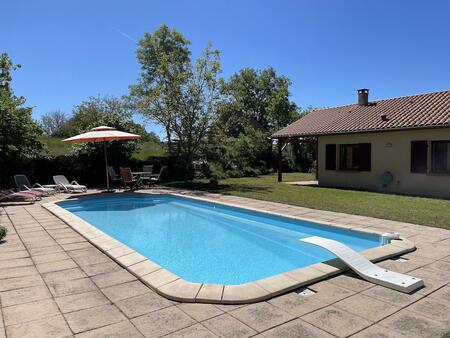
(82,309)
(25,295)
(261,316)
(296,328)
(54,326)
(81,301)
(93,318)
(22,313)
(143,304)
(122,329)
(228,326)
(163,322)
(336,321)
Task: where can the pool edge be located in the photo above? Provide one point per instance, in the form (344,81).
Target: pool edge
(175,288)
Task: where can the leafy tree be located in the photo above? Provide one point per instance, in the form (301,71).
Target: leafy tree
(174,92)
(103,111)
(52,122)
(257,103)
(243,155)
(18,131)
(198,109)
(260,98)
(164,57)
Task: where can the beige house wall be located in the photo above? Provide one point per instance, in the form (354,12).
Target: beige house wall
(391,151)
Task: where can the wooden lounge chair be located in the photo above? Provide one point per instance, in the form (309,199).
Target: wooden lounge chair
(23,184)
(67,186)
(128,180)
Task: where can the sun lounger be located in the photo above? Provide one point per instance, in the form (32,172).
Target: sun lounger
(9,195)
(23,184)
(67,186)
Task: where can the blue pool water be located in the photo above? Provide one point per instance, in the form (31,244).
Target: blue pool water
(209,243)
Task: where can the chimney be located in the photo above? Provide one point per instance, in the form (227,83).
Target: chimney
(363,97)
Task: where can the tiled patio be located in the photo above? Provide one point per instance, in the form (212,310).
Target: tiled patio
(53,283)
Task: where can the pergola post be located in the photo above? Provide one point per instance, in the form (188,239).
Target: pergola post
(280,160)
(316,150)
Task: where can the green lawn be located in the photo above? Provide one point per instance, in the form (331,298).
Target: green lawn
(426,211)
(55,147)
(149,149)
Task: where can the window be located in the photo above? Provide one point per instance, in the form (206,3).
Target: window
(440,156)
(419,153)
(330,157)
(355,157)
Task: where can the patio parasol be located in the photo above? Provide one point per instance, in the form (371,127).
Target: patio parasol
(102,134)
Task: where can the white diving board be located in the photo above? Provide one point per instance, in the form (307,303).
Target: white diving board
(365,268)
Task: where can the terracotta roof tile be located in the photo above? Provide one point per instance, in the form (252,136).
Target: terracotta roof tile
(417,111)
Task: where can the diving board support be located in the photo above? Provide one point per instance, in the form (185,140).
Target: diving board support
(365,268)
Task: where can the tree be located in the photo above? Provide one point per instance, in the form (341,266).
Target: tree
(52,122)
(18,131)
(164,57)
(177,94)
(260,98)
(103,111)
(257,104)
(198,108)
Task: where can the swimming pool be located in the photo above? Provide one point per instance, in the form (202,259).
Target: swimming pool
(204,242)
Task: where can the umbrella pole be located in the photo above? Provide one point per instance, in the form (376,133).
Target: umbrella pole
(106,167)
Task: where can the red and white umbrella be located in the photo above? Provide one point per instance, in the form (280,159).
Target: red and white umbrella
(102,134)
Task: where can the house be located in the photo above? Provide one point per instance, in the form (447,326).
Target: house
(399,145)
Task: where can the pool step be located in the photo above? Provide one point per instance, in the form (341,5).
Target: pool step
(365,268)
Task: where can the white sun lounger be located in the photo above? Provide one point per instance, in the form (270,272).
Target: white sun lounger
(365,268)
(23,184)
(64,184)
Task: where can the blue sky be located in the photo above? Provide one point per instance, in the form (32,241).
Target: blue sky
(70,50)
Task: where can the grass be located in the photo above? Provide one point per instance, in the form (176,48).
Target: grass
(55,147)
(426,211)
(149,149)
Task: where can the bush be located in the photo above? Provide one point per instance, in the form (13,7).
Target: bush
(3,232)
(213,181)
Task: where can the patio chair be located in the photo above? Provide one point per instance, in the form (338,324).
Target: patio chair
(23,184)
(148,169)
(113,177)
(128,179)
(157,177)
(9,195)
(71,187)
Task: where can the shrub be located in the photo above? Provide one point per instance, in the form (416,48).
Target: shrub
(3,232)
(213,181)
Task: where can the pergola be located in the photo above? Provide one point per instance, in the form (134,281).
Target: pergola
(282,144)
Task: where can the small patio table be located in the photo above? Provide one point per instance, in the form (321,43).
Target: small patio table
(143,175)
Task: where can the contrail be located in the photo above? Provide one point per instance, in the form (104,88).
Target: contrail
(124,35)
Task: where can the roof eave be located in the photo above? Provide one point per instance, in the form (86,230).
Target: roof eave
(373,130)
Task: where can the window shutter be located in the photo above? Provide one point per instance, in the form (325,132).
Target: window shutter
(419,150)
(365,157)
(330,157)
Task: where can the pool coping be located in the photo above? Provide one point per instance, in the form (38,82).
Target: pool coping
(176,288)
